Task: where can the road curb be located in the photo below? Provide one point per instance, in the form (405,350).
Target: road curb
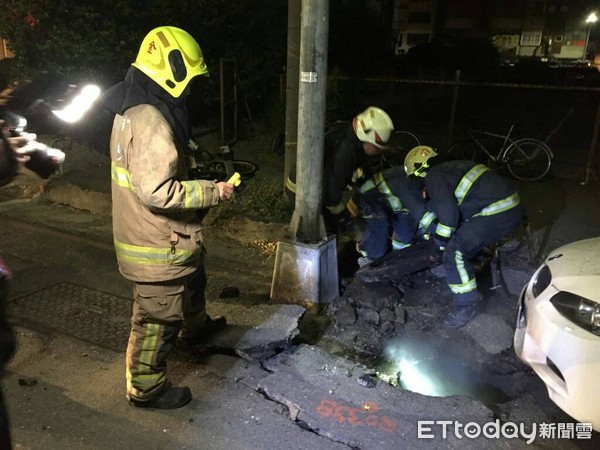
(80,198)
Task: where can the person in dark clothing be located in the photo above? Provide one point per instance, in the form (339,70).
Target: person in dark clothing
(387,209)
(347,152)
(13,150)
(469,207)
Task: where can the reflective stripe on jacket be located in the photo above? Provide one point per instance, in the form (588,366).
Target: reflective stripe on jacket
(460,190)
(400,194)
(156,233)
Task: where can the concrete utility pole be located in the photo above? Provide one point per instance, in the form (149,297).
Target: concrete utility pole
(305,269)
(291,87)
(307,220)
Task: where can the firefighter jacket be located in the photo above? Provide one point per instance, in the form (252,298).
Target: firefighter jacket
(460,190)
(388,202)
(345,164)
(392,191)
(156,233)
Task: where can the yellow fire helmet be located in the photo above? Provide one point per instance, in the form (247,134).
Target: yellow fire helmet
(171,57)
(374,126)
(416,161)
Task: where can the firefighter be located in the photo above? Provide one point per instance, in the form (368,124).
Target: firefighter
(387,209)
(157,234)
(469,207)
(347,152)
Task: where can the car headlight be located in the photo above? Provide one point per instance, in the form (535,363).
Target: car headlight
(541,281)
(581,311)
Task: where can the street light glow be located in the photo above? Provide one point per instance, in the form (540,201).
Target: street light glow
(79,105)
(591,20)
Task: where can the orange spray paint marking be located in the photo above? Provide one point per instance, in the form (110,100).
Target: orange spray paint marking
(364,416)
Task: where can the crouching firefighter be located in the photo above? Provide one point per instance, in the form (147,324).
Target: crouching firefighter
(157,235)
(346,161)
(387,209)
(469,207)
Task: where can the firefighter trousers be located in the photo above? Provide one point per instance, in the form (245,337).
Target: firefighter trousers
(378,229)
(161,311)
(472,236)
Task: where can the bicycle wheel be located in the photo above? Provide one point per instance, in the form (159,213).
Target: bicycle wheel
(463,151)
(278,144)
(245,168)
(528,159)
(401,143)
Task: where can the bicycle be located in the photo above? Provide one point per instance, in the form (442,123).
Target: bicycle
(527,159)
(218,166)
(401,142)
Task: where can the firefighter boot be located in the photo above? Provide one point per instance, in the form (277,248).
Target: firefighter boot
(463,313)
(169,398)
(460,316)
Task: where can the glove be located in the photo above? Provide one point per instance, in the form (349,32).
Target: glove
(440,241)
(438,257)
(440,247)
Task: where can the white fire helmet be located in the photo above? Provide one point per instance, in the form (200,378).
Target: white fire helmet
(374,126)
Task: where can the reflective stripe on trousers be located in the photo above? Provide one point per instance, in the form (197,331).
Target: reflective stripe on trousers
(468,240)
(158,316)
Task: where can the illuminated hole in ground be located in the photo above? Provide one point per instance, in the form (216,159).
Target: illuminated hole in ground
(420,368)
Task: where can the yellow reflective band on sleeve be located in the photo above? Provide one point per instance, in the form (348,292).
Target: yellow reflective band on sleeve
(383,187)
(290,185)
(193,194)
(120,176)
(155,256)
(467,181)
(444,230)
(337,208)
(426,220)
(358,174)
(352,207)
(366,186)
(500,206)
(397,245)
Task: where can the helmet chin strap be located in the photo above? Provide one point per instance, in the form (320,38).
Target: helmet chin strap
(421,171)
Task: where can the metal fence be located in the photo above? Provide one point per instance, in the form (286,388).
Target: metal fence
(567,117)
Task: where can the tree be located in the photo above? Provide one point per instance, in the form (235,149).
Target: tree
(98,39)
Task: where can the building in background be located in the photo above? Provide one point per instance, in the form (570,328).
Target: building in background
(544,29)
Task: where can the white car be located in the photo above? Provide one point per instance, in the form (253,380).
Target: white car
(558,328)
